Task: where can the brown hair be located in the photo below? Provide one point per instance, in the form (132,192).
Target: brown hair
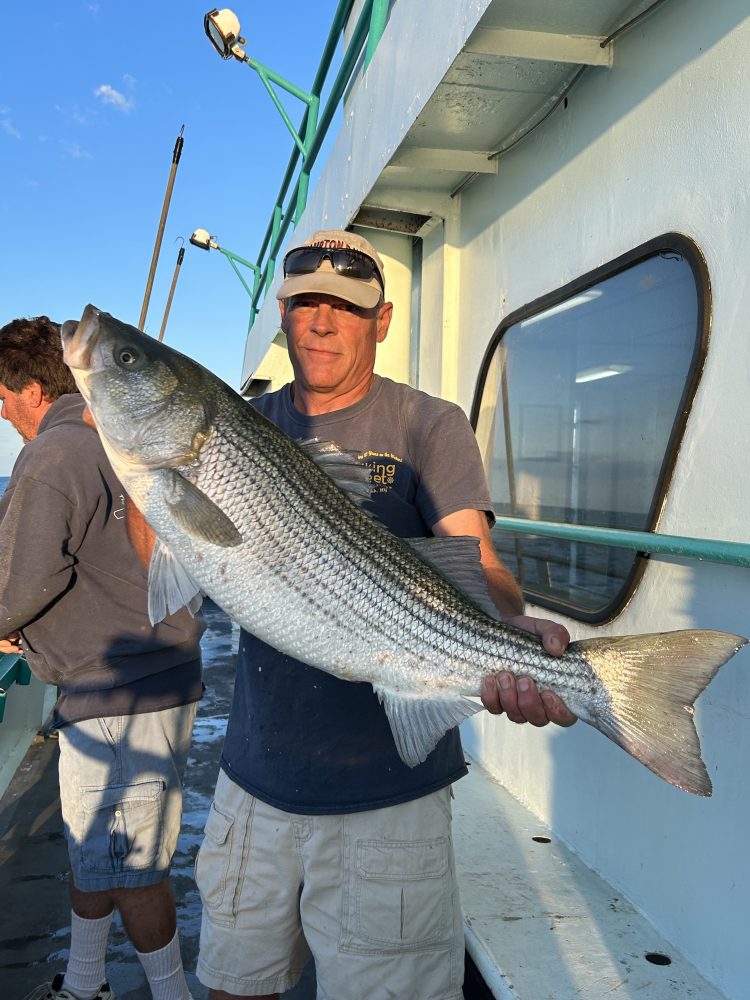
(31,351)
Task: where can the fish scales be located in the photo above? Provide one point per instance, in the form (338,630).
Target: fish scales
(246,516)
(298,517)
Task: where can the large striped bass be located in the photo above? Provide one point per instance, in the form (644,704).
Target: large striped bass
(275,534)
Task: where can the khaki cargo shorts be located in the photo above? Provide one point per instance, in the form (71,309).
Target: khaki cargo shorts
(371,895)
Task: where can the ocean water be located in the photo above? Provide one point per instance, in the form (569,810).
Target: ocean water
(3,483)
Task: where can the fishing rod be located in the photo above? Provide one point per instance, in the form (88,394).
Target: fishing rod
(177,152)
(175,276)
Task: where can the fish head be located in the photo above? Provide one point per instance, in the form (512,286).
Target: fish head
(151,404)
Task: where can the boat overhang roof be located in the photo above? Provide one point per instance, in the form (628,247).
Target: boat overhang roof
(515,65)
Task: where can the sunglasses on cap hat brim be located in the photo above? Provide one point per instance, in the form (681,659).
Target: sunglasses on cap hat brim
(348,263)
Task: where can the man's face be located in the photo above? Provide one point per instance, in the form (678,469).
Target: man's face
(332,342)
(19,409)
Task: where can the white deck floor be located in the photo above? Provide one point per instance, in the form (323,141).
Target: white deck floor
(540,925)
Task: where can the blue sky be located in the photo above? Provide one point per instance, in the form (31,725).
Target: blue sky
(92,97)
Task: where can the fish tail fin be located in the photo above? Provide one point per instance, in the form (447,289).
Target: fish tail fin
(652,682)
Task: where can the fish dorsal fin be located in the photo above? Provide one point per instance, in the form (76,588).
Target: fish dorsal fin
(418,725)
(170,586)
(344,467)
(456,557)
(198,516)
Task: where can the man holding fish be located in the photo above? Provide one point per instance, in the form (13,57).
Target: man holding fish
(373,611)
(321,839)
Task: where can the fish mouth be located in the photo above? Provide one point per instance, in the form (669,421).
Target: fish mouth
(80,339)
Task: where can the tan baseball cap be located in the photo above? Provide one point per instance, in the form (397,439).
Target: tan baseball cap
(361,291)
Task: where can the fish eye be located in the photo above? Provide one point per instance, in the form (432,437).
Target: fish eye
(127,357)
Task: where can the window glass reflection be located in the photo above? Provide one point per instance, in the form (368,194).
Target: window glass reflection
(579,404)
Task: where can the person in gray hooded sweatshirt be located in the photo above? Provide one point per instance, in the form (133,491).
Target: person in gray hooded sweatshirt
(73,598)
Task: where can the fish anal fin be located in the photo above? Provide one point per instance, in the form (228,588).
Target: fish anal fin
(652,682)
(170,586)
(198,516)
(418,724)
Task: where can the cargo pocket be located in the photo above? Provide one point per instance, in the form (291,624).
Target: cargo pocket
(124,827)
(398,897)
(212,866)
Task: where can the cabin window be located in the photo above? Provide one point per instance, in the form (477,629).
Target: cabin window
(579,411)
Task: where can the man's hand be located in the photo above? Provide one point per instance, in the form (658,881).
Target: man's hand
(11,644)
(519,698)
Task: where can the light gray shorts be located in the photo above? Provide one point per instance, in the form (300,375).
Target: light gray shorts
(121,796)
(372,895)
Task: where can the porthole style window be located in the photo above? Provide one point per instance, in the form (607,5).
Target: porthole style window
(580,407)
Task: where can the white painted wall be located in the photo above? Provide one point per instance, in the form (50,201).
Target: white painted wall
(659,143)
(395,251)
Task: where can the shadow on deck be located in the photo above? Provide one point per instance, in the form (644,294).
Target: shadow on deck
(35,911)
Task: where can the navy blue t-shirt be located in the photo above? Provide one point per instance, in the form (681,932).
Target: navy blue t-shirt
(303,740)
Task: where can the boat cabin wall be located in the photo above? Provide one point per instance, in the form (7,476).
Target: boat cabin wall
(655,144)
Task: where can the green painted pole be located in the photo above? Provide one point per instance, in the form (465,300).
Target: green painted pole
(304,181)
(267,77)
(232,257)
(271,265)
(708,549)
(378,20)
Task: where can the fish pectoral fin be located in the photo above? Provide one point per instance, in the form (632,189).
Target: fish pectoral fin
(456,557)
(344,468)
(418,724)
(199,516)
(170,586)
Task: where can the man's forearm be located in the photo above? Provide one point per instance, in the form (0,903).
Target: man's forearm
(505,593)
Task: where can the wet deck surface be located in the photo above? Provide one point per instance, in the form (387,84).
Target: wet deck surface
(34,906)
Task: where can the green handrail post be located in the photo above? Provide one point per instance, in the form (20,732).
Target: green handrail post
(378,20)
(304,183)
(13,670)
(275,239)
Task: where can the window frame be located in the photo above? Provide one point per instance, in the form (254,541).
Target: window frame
(668,242)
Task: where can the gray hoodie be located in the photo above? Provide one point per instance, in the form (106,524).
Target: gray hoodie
(70,579)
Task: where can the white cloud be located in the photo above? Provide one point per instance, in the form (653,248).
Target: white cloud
(76,114)
(10,128)
(74,150)
(108,95)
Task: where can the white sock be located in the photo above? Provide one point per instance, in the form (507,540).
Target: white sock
(86,969)
(164,972)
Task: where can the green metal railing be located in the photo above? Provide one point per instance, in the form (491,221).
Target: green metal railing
(708,549)
(13,670)
(308,138)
